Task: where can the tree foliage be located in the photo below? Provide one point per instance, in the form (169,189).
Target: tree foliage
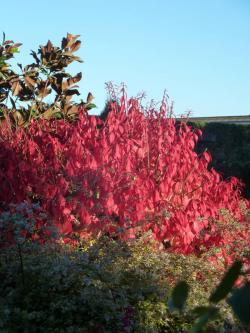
(24,94)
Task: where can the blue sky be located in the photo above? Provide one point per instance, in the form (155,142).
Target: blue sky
(198,50)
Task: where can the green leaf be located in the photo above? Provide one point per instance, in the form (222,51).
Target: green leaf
(203,320)
(240,303)
(179,295)
(200,310)
(90,106)
(227,283)
(14,50)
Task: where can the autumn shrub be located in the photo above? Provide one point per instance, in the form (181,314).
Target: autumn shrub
(132,172)
(135,172)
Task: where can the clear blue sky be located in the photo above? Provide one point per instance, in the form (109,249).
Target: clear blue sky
(198,50)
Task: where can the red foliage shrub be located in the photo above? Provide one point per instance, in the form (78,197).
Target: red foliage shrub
(137,171)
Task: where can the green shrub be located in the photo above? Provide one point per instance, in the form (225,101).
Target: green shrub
(64,290)
(106,286)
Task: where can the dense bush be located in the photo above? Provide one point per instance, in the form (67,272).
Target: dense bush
(103,286)
(132,173)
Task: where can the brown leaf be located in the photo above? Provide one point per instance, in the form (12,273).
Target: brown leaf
(16,87)
(61,75)
(68,54)
(90,97)
(42,90)
(5,68)
(70,81)
(48,114)
(18,117)
(71,110)
(8,42)
(75,46)
(69,93)
(76,58)
(69,40)
(30,82)
(16,45)
(42,50)
(56,84)
(49,46)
